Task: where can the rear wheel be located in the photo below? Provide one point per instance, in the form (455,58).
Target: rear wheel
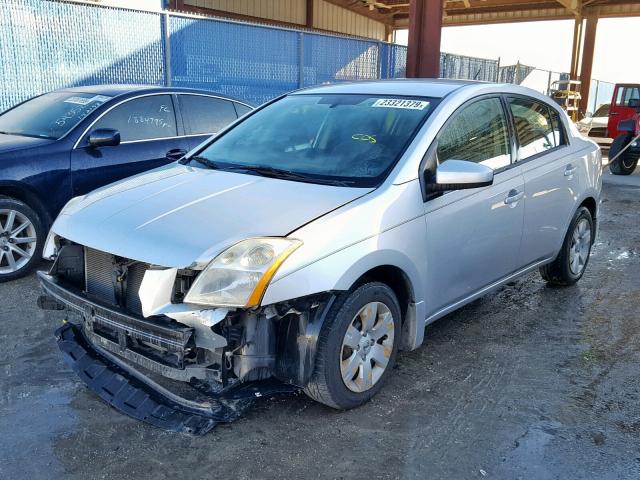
(572,260)
(357,347)
(21,238)
(626,163)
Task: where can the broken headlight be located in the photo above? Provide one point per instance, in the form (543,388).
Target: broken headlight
(239,276)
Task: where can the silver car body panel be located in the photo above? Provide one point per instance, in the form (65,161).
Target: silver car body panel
(451,249)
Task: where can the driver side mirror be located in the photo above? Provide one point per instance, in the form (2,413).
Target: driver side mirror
(459,175)
(104,137)
(634,103)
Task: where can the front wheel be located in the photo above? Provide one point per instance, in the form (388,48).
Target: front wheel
(626,163)
(21,239)
(571,262)
(357,347)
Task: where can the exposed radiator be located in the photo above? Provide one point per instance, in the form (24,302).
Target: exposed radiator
(101,273)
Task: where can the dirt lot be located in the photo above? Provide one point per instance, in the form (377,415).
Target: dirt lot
(531,382)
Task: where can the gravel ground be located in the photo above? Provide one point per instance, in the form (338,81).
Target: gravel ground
(529,382)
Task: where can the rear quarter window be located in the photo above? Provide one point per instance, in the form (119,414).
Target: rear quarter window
(204,115)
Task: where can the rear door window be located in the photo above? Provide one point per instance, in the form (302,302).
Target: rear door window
(144,118)
(205,115)
(534,129)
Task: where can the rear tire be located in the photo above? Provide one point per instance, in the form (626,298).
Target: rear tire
(357,347)
(571,262)
(21,239)
(626,163)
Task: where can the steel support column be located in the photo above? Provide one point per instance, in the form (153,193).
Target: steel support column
(575,48)
(587,62)
(425,29)
(309,14)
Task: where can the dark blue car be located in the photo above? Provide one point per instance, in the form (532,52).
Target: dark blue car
(69,142)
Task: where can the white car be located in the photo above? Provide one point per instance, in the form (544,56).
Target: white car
(319,235)
(595,126)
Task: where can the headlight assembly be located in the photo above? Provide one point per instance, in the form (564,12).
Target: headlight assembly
(239,276)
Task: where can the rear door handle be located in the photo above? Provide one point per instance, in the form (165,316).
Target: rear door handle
(513,197)
(569,171)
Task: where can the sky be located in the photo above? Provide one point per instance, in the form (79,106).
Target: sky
(547,45)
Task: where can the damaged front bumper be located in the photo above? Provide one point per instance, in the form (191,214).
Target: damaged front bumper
(140,397)
(114,331)
(153,370)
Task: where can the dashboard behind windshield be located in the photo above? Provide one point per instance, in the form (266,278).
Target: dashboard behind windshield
(51,115)
(350,140)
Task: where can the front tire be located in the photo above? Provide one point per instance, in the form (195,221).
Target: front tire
(573,258)
(357,347)
(626,163)
(21,239)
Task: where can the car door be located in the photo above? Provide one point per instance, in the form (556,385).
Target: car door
(551,176)
(473,236)
(148,130)
(620,109)
(203,116)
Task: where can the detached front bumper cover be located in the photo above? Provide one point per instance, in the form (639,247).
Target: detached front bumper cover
(138,396)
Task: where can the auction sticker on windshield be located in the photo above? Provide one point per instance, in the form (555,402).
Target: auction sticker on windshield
(400,103)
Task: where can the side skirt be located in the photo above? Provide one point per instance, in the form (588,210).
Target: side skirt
(483,291)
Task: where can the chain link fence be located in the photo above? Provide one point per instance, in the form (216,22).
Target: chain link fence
(48,44)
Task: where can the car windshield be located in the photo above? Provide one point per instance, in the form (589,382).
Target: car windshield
(51,115)
(352,140)
(602,111)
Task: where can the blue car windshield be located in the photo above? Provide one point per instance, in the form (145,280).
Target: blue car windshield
(51,115)
(348,140)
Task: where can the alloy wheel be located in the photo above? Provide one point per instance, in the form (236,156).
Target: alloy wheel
(367,346)
(580,247)
(17,240)
(627,161)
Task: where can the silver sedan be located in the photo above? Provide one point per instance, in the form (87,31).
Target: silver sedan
(318,235)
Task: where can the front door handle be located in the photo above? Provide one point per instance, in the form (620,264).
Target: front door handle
(175,154)
(569,171)
(513,197)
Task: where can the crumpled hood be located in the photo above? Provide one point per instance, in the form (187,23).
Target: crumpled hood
(178,216)
(18,142)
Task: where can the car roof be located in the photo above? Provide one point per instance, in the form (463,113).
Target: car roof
(122,89)
(435,88)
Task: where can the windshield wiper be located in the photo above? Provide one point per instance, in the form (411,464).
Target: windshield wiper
(203,160)
(266,171)
(285,175)
(30,135)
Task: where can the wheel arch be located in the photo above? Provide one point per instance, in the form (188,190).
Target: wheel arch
(27,195)
(591,204)
(396,270)
(398,281)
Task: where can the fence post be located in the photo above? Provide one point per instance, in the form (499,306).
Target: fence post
(497,80)
(167,50)
(379,72)
(300,60)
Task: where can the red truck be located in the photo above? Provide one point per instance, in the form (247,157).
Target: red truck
(624,128)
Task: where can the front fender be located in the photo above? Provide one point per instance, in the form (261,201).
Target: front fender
(403,247)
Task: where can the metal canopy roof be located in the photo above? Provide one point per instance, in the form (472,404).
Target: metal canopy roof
(395,13)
